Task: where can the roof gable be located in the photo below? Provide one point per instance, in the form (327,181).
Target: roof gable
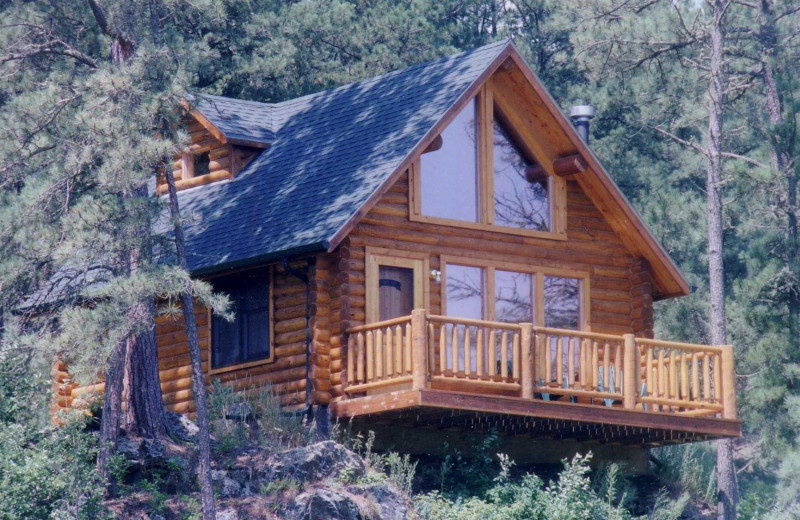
(333,154)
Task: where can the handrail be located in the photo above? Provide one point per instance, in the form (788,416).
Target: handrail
(527,361)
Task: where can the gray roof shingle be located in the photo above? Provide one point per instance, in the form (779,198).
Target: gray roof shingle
(329,153)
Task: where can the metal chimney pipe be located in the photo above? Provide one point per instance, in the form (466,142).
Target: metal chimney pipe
(580,115)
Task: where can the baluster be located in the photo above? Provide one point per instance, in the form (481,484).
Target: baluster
(454,349)
(443,349)
(432,347)
(389,357)
(595,376)
(370,357)
(673,375)
(379,354)
(361,354)
(408,348)
(351,360)
(398,350)
(650,371)
(492,353)
(684,377)
(504,355)
(515,356)
(583,360)
(706,377)
(559,361)
(480,353)
(717,379)
(617,367)
(695,378)
(570,362)
(662,383)
(467,352)
(606,367)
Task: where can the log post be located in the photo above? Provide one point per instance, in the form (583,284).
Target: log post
(419,349)
(526,358)
(728,383)
(630,383)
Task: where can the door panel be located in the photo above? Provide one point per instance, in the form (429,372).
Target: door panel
(395,291)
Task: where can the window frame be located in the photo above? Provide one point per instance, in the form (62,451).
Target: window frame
(376,257)
(247,364)
(556,186)
(538,272)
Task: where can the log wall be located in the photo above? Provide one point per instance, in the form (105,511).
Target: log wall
(287,372)
(620,283)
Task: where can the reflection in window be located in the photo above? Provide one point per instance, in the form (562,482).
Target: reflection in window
(562,302)
(517,202)
(513,297)
(465,291)
(449,175)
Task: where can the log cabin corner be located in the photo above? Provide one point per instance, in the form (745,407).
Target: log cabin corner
(434,249)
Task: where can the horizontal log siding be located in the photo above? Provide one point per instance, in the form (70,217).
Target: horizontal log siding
(287,372)
(592,246)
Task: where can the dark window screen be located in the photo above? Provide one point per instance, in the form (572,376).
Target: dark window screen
(246,338)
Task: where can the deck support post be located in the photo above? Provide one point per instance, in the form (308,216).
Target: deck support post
(419,349)
(631,381)
(728,383)
(526,358)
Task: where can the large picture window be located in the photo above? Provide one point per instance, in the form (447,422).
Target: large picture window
(248,338)
(515,294)
(481,173)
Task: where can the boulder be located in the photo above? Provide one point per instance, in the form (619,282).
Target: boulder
(131,449)
(323,503)
(181,427)
(312,463)
(389,503)
(227,514)
(225,486)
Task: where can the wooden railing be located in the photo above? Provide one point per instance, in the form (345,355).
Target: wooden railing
(379,355)
(478,352)
(521,360)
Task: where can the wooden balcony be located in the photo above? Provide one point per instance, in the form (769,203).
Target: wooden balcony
(444,372)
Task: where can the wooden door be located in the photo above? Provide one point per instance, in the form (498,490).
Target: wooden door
(395,286)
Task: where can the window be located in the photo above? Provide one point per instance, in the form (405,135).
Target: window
(450,186)
(195,165)
(247,339)
(519,294)
(481,173)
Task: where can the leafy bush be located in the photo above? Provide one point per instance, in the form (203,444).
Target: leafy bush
(570,497)
(49,474)
(692,466)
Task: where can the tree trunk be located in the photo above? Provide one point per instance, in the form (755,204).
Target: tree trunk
(112,407)
(727,488)
(144,404)
(198,378)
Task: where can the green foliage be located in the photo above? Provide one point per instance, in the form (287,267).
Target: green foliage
(690,465)
(49,474)
(275,427)
(570,497)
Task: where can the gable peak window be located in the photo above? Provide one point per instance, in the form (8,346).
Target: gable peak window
(477,174)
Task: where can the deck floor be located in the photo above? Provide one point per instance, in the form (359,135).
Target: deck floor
(542,419)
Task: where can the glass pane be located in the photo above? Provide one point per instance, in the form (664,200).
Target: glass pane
(225,340)
(449,175)
(465,291)
(562,302)
(517,202)
(513,296)
(256,326)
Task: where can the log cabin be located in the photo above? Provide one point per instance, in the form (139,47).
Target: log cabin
(433,249)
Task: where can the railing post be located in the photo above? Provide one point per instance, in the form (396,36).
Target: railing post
(419,349)
(728,383)
(630,383)
(526,358)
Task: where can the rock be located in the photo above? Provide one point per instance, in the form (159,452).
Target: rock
(181,427)
(131,449)
(226,486)
(311,463)
(323,503)
(390,503)
(154,451)
(227,514)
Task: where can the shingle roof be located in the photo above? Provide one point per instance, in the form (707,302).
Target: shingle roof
(330,152)
(238,119)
